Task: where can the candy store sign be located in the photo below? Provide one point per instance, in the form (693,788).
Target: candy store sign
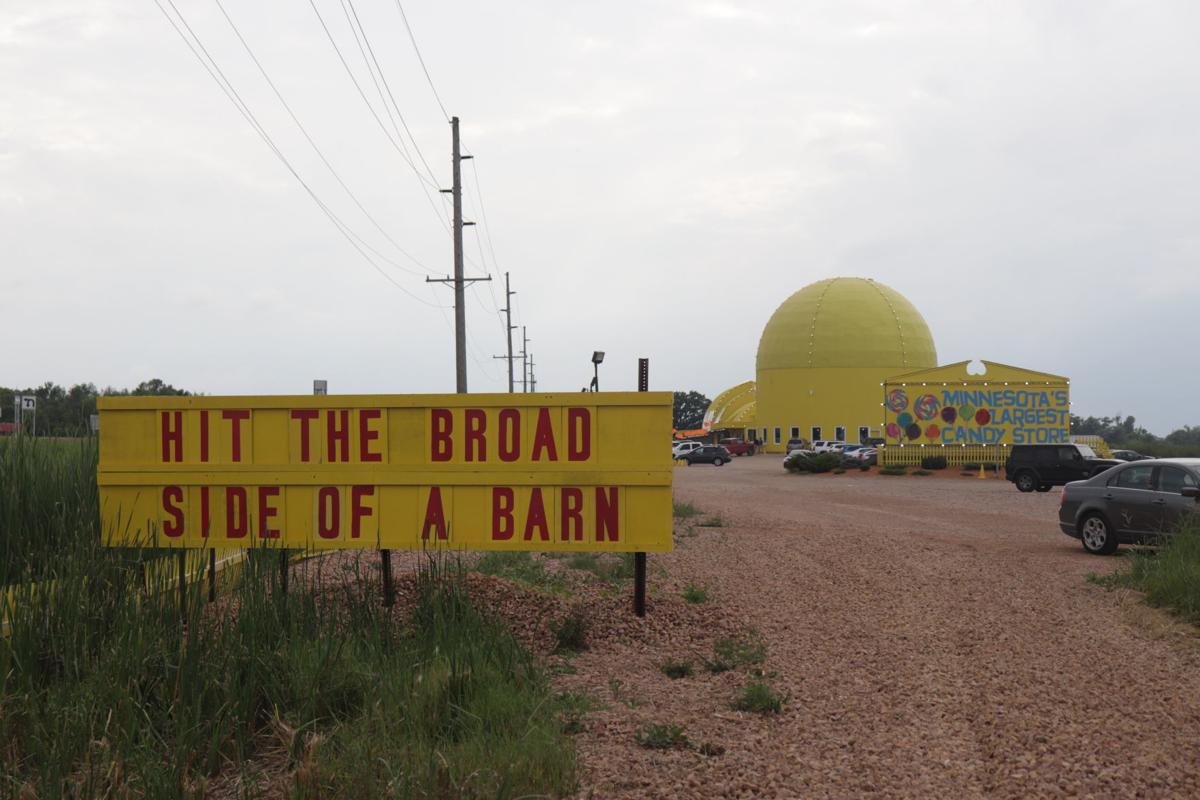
(976,415)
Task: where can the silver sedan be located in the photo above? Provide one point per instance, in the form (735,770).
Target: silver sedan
(1136,503)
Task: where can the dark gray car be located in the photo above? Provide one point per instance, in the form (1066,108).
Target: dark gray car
(1134,503)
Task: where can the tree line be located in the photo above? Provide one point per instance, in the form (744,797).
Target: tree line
(63,411)
(1124,433)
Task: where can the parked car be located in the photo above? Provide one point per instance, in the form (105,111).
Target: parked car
(680,449)
(824,446)
(713,454)
(1134,503)
(860,452)
(1040,466)
(1129,455)
(737,447)
(797,444)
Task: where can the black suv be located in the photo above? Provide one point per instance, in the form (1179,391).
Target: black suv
(709,454)
(1040,466)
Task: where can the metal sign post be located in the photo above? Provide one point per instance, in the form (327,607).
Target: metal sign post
(639,559)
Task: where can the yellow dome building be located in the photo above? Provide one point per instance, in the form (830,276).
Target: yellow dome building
(822,359)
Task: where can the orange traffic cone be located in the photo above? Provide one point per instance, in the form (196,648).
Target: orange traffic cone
(981,472)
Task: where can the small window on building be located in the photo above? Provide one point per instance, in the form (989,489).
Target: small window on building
(764,436)
(864,433)
(777,432)
(816,433)
(839,433)
(795,432)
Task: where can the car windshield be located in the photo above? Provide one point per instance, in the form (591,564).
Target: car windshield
(1086,451)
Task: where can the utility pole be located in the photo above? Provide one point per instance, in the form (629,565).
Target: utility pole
(508,327)
(524,361)
(460,311)
(532,375)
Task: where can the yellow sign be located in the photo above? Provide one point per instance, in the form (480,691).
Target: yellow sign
(464,472)
(991,405)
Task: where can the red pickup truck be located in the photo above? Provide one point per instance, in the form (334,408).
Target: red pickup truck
(738,447)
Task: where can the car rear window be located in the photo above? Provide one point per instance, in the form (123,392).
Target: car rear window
(1133,478)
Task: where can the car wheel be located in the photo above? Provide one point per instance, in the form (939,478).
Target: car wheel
(718,461)
(1026,481)
(1045,487)
(1097,535)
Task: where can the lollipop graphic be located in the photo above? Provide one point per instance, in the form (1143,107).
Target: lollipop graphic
(904,419)
(983,416)
(913,431)
(926,407)
(893,431)
(897,400)
(933,431)
(967,413)
(949,414)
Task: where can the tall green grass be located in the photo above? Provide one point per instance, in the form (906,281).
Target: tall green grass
(109,688)
(1170,576)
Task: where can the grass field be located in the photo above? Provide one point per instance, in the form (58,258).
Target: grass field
(105,691)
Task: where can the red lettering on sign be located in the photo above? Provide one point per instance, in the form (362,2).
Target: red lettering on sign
(237,521)
(305,416)
(266,511)
(204,434)
(510,434)
(435,516)
(328,512)
(441,424)
(543,437)
(172,436)
(358,509)
(337,438)
(579,434)
(235,418)
(366,435)
(536,518)
(476,424)
(503,503)
(606,514)
(205,512)
(172,496)
(571,514)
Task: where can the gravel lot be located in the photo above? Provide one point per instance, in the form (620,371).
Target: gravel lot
(935,637)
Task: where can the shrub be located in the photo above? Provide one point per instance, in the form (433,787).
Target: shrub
(933,462)
(695,594)
(812,462)
(676,669)
(662,737)
(894,469)
(1169,578)
(571,631)
(759,697)
(921,472)
(865,466)
(839,471)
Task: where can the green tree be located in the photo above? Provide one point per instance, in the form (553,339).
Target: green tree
(689,410)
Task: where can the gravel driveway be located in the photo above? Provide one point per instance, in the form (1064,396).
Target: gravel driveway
(935,637)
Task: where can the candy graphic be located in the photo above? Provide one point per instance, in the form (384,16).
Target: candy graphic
(949,414)
(897,400)
(913,431)
(933,431)
(966,413)
(926,407)
(893,430)
(983,416)
(904,420)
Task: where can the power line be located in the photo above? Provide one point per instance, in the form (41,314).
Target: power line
(397,145)
(214,70)
(424,69)
(262,70)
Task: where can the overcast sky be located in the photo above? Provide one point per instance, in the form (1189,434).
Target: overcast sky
(656,176)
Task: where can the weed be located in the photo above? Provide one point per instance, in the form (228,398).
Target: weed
(1170,577)
(710,749)
(571,631)
(617,689)
(733,652)
(609,568)
(685,510)
(676,669)
(662,737)
(712,521)
(520,567)
(759,697)
(572,707)
(695,594)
